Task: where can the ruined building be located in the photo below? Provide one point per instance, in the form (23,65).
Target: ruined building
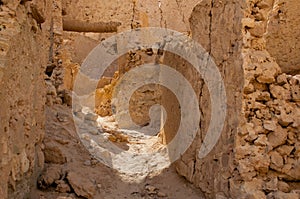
(253,44)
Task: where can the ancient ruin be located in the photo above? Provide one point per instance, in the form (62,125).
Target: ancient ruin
(229,127)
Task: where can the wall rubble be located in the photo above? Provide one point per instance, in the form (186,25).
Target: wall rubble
(257,155)
(237,35)
(24,48)
(267,143)
(216,26)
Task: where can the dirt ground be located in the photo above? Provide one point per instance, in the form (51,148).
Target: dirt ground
(91,178)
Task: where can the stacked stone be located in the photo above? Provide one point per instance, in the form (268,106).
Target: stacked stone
(56,93)
(268,140)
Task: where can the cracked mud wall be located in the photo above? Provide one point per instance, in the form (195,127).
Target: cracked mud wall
(267,143)
(257,155)
(259,148)
(216,25)
(131,14)
(24,53)
(282,35)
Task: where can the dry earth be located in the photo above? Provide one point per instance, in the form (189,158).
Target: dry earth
(255,46)
(70,168)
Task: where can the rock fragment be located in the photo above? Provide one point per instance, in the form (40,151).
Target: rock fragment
(49,176)
(277,137)
(81,186)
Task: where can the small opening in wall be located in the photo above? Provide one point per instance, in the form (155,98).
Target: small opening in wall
(2,27)
(22,2)
(63,12)
(49,69)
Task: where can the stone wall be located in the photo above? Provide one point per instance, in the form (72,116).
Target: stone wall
(282,35)
(131,14)
(257,155)
(23,57)
(267,143)
(217,27)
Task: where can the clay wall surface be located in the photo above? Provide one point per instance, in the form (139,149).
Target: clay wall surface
(217,27)
(254,44)
(24,51)
(282,35)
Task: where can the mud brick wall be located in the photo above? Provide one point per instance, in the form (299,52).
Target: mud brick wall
(24,49)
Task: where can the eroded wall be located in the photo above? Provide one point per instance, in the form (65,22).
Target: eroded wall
(216,26)
(23,57)
(257,155)
(282,35)
(267,143)
(131,14)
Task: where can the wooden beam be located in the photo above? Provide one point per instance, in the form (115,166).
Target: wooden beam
(83,26)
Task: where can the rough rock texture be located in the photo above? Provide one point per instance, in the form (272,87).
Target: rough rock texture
(216,26)
(82,186)
(268,135)
(131,14)
(254,43)
(256,156)
(23,57)
(282,35)
(83,176)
